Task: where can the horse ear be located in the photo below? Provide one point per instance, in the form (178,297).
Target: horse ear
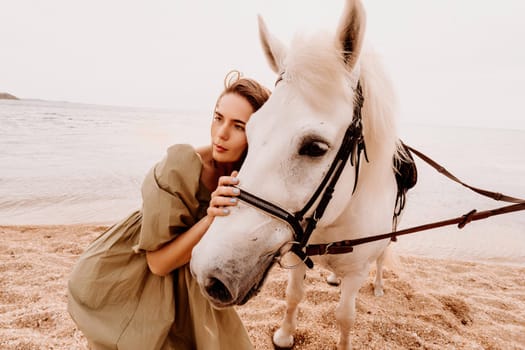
(351,32)
(274,50)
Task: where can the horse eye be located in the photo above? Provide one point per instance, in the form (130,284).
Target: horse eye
(313,149)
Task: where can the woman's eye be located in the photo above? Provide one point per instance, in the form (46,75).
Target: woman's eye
(313,149)
(239,127)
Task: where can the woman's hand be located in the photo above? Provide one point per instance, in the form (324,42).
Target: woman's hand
(224,196)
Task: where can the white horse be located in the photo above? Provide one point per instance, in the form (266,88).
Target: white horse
(293,140)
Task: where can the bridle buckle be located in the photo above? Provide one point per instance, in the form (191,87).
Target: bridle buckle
(327,248)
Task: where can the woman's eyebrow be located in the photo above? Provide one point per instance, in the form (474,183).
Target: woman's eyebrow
(234,120)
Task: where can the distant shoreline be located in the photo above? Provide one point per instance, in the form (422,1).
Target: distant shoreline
(6,96)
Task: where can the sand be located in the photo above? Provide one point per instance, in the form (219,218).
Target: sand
(428,303)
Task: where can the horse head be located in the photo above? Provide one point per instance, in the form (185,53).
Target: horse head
(293,141)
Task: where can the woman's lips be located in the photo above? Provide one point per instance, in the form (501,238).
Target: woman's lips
(219,148)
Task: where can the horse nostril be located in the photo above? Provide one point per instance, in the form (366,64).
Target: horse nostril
(217,290)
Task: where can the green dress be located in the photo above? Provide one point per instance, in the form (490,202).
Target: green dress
(118,303)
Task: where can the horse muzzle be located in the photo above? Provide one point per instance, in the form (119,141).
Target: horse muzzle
(229,284)
(233,258)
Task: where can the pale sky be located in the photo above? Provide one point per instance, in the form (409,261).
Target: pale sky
(459,62)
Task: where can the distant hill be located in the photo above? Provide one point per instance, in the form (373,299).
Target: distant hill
(6,96)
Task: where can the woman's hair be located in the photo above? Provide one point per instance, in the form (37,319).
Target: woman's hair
(252,91)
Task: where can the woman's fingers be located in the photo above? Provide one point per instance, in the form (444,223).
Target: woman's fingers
(224,195)
(219,206)
(219,201)
(225,191)
(218,211)
(229,180)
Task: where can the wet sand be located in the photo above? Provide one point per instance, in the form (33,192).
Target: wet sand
(428,303)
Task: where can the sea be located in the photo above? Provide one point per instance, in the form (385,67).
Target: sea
(70,163)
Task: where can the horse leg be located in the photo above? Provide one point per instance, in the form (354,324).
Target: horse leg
(345,312)
(378,282)
(283,337)
(332,279)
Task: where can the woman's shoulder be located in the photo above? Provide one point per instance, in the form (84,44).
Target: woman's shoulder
(181,161)
(185,155)
(181,151)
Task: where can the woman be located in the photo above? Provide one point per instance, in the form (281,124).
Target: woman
(132,288)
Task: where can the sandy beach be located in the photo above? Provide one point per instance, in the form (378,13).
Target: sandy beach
(428,303)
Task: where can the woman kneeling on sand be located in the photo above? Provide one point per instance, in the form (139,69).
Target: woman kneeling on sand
(132,288)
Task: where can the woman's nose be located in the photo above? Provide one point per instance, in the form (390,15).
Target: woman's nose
(224,132)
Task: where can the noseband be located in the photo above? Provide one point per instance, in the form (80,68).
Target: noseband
(351,148)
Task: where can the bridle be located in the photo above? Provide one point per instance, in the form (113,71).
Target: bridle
(352,146)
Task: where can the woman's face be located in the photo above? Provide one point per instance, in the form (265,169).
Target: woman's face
(228,128)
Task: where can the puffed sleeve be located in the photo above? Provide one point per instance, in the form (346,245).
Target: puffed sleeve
(169,195)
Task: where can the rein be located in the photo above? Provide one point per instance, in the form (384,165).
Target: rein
(347,246)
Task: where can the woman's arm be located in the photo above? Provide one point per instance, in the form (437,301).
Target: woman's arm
(178,252)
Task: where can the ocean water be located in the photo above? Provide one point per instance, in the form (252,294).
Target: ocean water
(64,163)
(491,159)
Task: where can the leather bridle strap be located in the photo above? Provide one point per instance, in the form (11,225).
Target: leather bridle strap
(271,209)
(494,195)
(353,143)
(347,246)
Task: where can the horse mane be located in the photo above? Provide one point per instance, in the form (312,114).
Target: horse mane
(379,110)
